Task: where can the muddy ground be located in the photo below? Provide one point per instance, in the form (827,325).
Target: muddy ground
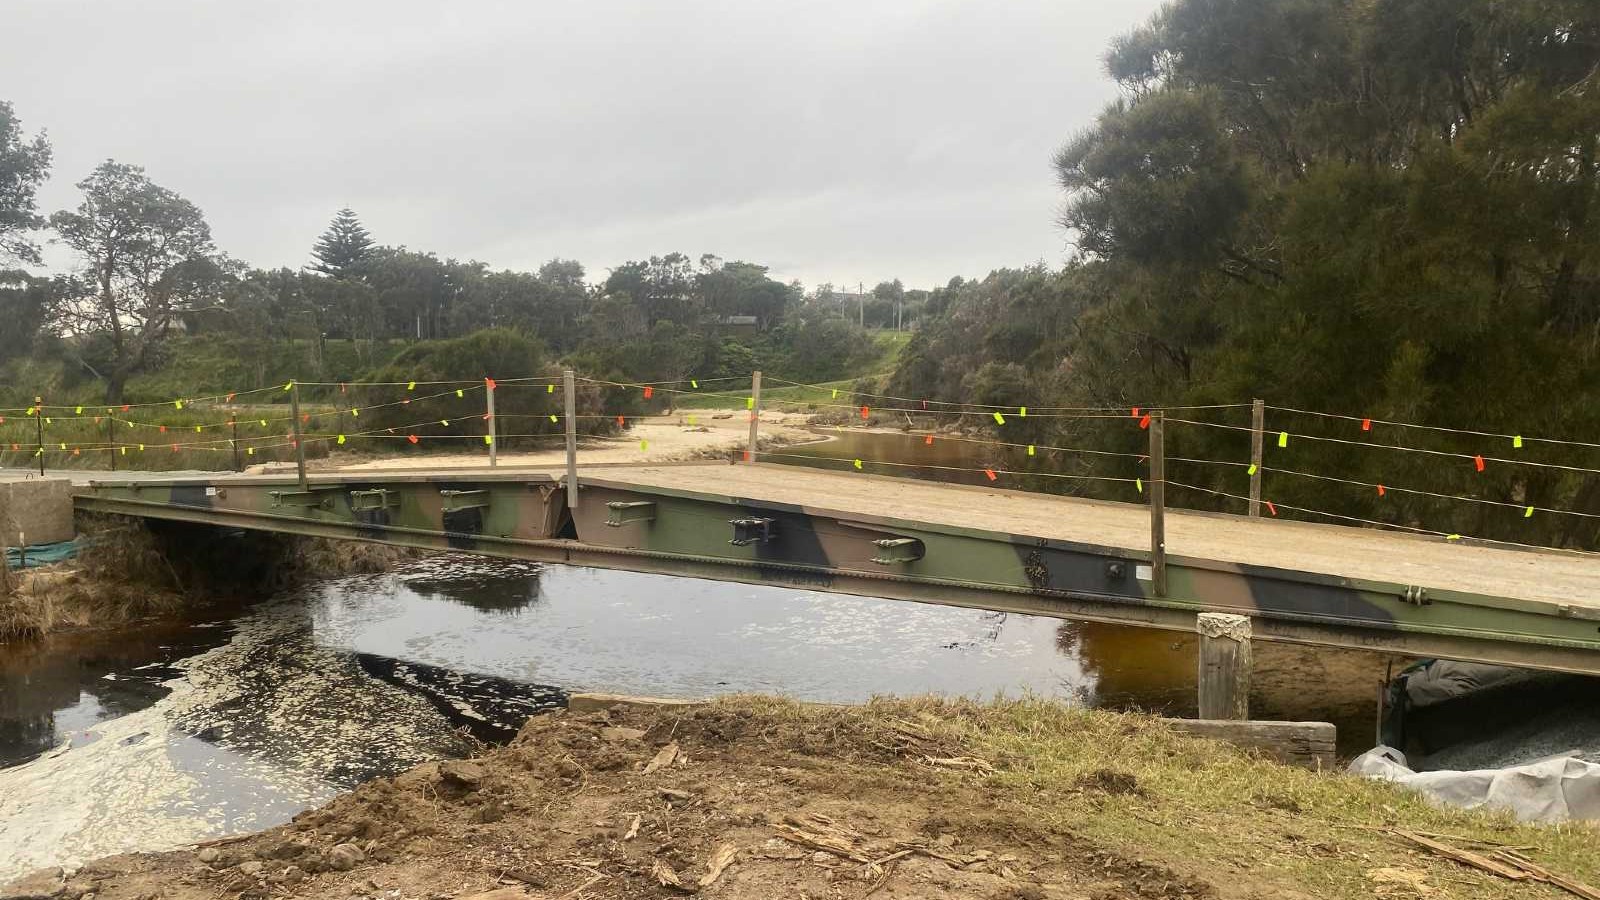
(756,800)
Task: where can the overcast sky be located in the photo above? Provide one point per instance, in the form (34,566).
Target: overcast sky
(833,141)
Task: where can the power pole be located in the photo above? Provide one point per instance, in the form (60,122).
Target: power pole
(861,301)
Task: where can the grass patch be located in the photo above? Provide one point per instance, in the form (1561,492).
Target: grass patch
(784,396)
(1201,808)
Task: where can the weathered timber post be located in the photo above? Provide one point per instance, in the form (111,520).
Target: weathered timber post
(233,443)
(488,416)
(571,389)
(111,438)
(1224,665)
(299,440)
(38,415)
(1158,506)
(755,417)
(1258,417)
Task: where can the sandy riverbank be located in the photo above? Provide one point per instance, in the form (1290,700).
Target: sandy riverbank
(685,435)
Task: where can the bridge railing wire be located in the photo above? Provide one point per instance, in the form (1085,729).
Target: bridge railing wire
(239,425)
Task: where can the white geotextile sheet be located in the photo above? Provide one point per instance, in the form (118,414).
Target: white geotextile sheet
(1549,790)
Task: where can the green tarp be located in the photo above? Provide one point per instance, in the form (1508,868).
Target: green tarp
(41,554)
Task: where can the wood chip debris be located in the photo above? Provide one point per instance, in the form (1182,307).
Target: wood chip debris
(721,858)
(959,762)
(820,832)
(662,759)
(663,874)
(633,828)
(1508,864)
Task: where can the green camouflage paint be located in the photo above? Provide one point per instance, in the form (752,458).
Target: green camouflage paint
(618,524)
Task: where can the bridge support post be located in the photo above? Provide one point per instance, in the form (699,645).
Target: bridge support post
(1224,666)
(570,388)
(1158,506)
(488,416)
(755,417)
(299,439)
(1258,416)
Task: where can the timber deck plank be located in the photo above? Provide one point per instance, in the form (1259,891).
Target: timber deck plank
(1339,551)
(1335,550)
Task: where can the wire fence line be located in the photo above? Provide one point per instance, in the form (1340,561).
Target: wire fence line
(251,423)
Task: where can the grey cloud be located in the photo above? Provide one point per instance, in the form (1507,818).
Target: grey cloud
(836,141)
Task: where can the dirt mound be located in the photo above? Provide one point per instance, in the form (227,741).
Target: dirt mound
(759,799)
(733,801)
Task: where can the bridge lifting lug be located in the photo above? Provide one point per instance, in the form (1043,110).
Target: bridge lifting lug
(897,551)
(624,512)
(752,531)
(1416,596)
(307,499)
(377,498)
(456,501)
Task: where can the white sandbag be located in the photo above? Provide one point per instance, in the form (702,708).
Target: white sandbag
(1549,790)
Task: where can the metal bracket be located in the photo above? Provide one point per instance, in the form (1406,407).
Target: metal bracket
(897,551)
(455,501)
(752,531)
(377,498)
(623,512)
(1416,596)
(307,499)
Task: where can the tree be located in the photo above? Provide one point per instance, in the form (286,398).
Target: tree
(342,249)
(1387,207)
(23,166)
(147,256)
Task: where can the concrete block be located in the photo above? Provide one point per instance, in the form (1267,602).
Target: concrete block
(40,508)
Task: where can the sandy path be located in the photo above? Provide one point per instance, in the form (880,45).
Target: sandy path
(687,434)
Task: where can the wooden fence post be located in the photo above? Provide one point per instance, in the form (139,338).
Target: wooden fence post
(570,386)
(1258,417)
(1158,506)
(755,417)
(299,439)
(1224,665)
(488,415)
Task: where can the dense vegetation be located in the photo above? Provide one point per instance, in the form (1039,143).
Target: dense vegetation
(1387,209)
(153,287)
(1380,208)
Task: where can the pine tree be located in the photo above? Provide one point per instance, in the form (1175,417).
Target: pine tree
(343,247)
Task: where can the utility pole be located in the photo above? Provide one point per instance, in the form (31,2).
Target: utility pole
(861,301)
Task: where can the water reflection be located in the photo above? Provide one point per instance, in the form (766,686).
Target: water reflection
(946,459)
(54,692)
(486,585)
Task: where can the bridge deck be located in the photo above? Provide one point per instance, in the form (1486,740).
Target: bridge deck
(941,543)
(1336,550)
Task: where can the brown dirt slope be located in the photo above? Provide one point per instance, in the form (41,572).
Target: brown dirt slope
(753,799)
